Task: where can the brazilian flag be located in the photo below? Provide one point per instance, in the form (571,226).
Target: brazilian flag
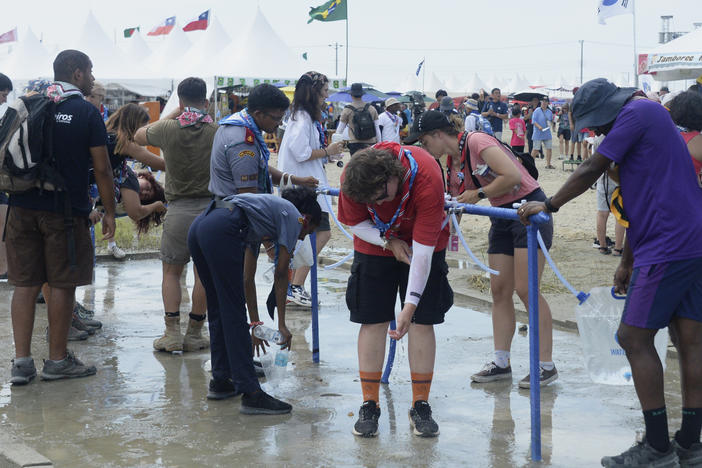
(333,10)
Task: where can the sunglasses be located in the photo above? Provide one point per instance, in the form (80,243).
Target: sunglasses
(383,195)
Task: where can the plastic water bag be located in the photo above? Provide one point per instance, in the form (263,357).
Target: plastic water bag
(598,320)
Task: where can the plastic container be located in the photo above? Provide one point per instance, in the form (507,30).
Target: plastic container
(598,321)
(336,158)
(268,334)
(275,366)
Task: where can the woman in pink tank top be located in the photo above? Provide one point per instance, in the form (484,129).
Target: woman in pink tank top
(686,112)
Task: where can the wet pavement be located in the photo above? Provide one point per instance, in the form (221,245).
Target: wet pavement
(145,408)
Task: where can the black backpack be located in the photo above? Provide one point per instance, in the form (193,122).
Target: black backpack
(26,146)
(526,159)
(363,125)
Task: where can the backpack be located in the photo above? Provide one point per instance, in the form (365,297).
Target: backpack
(524,158)
(481,125)
(26,146)
(363,125)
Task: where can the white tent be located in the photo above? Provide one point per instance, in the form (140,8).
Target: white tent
(454,86)
(679,59)
(410,83)
(475,85)
(200,59)
(166,59)
(433,84)
(29,60)
(136,48)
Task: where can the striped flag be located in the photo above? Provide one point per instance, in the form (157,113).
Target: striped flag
(9,36)
(419,67)
(163,28)
(129,32)
(200,23)
(609,8)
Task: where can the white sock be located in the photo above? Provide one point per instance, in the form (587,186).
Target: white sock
(502,358)
(547,365)
(111,244)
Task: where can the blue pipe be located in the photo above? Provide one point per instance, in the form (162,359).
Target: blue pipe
(315,302)
(534,374)
(470,252)
(582,296)
(391,357)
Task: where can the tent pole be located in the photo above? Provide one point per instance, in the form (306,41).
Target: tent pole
(347,46)
(636,68)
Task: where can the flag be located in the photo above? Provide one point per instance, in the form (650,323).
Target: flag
(609,8)
(129,32)
(9,36)
(419,67)
(304,56)
(200,23)
(163,28)
(333,10)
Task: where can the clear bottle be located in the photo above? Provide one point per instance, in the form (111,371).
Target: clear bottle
(268,334)
(281,358)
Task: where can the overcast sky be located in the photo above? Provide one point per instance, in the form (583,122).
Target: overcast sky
(387,39)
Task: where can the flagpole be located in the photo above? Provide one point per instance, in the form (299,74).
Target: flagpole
(347,44)
(636,59)
(424,72)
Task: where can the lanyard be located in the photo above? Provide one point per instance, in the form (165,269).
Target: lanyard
(461,175)
(392,117)
(411,173)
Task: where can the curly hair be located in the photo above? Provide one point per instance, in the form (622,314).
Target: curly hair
(367,173)
(307,92)
(305,200)
(154,218)
(686,110)
(125,122)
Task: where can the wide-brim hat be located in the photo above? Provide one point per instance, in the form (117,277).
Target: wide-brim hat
(356,90)
(391,101)
(471,104)
(426,122)
(598,102)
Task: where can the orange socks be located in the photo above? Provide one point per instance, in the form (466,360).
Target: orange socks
(421,383)
(370,383)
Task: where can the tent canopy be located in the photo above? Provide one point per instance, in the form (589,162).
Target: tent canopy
(679,59)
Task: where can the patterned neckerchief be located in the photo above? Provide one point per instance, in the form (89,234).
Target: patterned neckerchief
(386,229)
(60,91)
(449,163)
(191,116)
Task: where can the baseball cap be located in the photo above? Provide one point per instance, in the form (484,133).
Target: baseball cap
(426,122)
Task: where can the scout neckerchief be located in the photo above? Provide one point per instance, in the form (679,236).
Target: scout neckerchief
(191,116)
(322,134)
(394,223)
(60,91)
(449,163)
(243,119)
(393,117)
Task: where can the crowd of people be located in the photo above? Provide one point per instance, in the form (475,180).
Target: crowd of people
(219,191)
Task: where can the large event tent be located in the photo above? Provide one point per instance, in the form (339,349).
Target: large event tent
(679,59)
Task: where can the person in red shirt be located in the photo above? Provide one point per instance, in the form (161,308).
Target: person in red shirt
(480,167)
(392,199)
(518,127)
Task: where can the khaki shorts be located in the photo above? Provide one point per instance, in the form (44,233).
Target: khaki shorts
(180,215)
(37,249)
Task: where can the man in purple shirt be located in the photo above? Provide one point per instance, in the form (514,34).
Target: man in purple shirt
(661,268)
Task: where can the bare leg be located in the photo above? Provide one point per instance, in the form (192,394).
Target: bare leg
(646,367)
(22,311)
(301,273)
(602,228)
(687,338)
(3,252)
(548,157)
(502,287)
(371,346)
(521,268)
(170,287)
(619,232)
(422,348)
(199,298)
(60,307)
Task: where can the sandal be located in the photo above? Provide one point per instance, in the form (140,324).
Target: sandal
(550,167)
(605,250)
(617,252)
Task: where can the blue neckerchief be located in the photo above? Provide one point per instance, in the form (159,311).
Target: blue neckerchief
(411,174)
(243,119)
(322,134)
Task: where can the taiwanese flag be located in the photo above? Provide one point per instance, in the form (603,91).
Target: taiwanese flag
(200,23)
(163,28)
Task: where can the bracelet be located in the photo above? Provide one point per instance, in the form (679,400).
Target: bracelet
(255,324)
(549,207)
(326,153)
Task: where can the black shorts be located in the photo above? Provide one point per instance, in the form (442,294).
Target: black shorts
(375,281)
(507,234)
(565,132)
(324,223)
(353,147)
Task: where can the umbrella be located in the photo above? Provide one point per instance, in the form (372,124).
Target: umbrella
(529,94)
(370,95)
(406,99)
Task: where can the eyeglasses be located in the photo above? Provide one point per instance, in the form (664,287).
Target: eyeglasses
(383,195)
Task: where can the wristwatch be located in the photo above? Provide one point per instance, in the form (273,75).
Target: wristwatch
(481,193)
(549,207)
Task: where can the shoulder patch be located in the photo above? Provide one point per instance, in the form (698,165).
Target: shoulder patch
(246,153)
(301,220)
(250,137)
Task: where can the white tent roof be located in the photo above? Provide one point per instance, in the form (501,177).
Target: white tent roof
(433,84)
(199,60)
(108,61)
(679,59)
(454,86)
(410,83)
(29,60)
(137,49)
(475,84)
(167,58)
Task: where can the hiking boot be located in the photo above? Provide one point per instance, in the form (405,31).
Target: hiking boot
(642,454)
(545,378)
(221,389)
(79,324)
(69,367)
(262,403)
(83,312)
(23,371)
(172,339)
(86,320)
(688,457)
(367,424)
(421,421)
(193,339)
(491,372)
(73,334)
(299,296)
(116,252)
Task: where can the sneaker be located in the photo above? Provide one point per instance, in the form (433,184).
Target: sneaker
(492,371)
(596,242)
(688,457)
(73,334)
(221,389)
(367,424)
(116,252)
(262,403)
(69,367)
(85,320)
(642,454)
(579,158)
(421,421)
(299,296)
(545,378)
(23,371)
(78,324)
(83,312)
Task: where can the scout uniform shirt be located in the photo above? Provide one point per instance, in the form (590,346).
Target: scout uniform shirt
(234,161)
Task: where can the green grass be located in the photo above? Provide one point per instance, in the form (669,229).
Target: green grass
(126,237)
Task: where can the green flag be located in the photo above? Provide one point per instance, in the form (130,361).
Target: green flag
(130,31)
(304,56)
(333,10)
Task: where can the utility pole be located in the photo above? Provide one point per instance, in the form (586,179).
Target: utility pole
(336,47)
(581,61)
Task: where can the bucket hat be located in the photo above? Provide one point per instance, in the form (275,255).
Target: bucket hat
(598,102)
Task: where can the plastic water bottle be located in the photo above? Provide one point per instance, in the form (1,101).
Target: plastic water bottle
(281,358)
(268,334)
(335,138)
